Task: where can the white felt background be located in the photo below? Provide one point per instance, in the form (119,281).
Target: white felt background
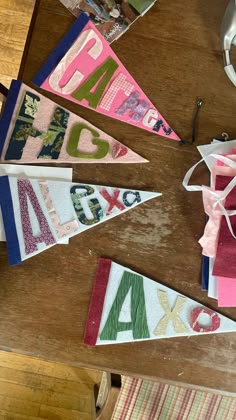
(60,194)
(154,310)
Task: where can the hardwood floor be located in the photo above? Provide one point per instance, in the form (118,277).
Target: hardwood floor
(31,388)
(15,18)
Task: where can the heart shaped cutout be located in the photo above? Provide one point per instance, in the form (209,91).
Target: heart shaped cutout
(119,150)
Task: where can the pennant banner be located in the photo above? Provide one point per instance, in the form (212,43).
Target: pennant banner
(84,69)
(37,214)
(127,306)
(34,129)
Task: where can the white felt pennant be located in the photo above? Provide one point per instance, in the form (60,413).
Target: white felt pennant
(37,214)
(127,307)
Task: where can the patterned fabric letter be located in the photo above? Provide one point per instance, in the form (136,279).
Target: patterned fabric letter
(135,198)
(129,104)
(93,204)
(140,110)
(196,323)
(170,314)
(25,192)
(52,139)
(159,124)
(119,83)
(113,201)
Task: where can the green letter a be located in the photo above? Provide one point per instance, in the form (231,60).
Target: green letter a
(138,322)
(105,71)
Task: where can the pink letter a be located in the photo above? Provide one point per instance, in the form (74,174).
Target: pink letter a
(25,190)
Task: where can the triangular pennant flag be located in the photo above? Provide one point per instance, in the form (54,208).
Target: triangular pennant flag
(34,129)
(37,214)
(84,69)
(127,307)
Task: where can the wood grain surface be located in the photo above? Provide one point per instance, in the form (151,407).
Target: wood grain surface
(14,24)
(174,53)
(32,388)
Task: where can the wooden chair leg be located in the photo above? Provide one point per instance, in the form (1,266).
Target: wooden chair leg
(107,396)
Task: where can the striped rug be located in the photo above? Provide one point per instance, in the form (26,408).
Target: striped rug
(146,400)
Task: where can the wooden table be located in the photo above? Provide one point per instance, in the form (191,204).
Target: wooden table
(174,53)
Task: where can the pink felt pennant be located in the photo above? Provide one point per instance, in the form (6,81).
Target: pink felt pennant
(40,130)
(85,70)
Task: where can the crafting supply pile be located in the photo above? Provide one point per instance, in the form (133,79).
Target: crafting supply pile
(112,18)
(42,207)
(219,201)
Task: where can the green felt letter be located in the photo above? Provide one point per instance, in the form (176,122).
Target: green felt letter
(72,145)
(138,322)
(103,75)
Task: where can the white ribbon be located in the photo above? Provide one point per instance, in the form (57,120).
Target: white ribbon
(219,196)
(188,176)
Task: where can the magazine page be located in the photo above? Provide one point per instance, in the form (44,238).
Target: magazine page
(111,17)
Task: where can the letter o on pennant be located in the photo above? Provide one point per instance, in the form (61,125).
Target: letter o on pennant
(195,324)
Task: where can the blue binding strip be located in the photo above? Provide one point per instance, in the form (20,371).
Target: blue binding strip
(6,204)
(61,49)
(205,272)
(8,111)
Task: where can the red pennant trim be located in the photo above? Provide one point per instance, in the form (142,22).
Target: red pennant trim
(97,302)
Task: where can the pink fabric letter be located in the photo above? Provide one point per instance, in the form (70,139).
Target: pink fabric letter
(119,83)
(196,326)
(61,230)
(66,77)
(25,190)
(113,201)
